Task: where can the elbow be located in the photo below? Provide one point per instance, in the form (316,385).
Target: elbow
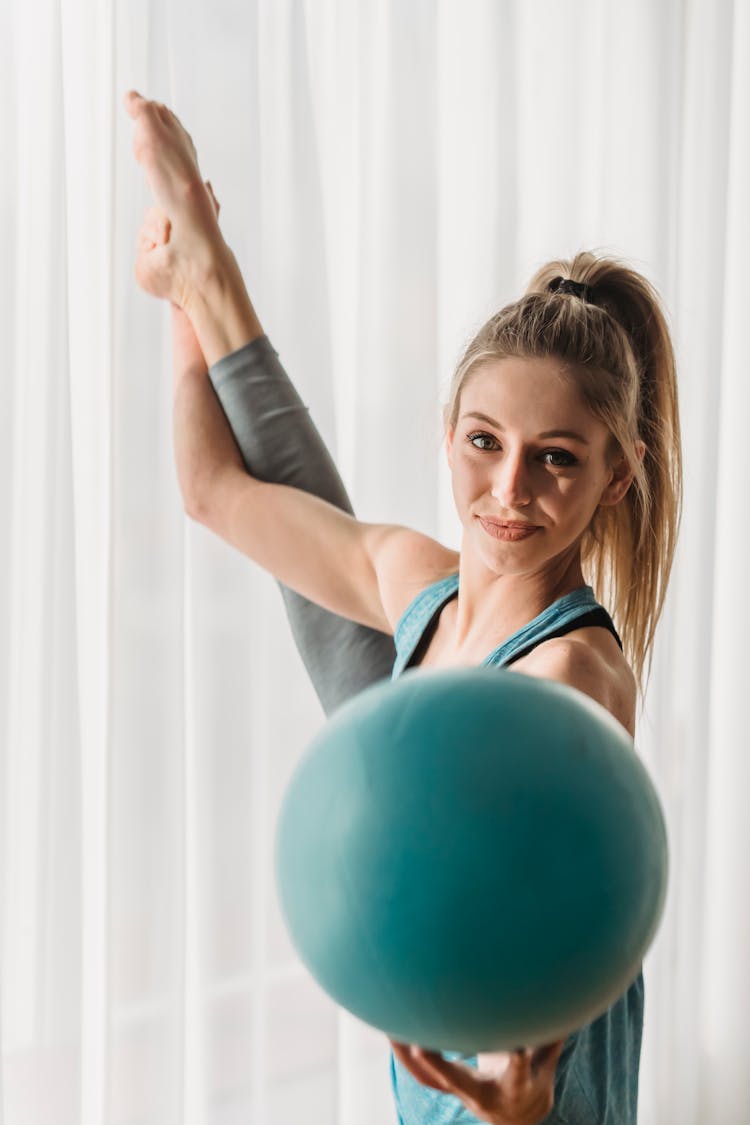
(194,506)
(209,500)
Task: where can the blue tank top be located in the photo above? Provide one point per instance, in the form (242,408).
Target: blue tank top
(596,1081)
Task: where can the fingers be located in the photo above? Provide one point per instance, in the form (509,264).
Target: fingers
(519,1068)
(421,1065)
(155,230)
(217,205)
(144,242)
(522,1090)
(545,1059)
(157,223)
(430,1068)
(527,1064)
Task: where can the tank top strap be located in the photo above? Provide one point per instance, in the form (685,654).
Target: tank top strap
(417,615)
(558,618)
(571,611)
(598,617)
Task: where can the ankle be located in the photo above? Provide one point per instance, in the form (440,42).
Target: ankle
(219,307)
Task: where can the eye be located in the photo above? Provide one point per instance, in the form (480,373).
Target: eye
(567,463)
(565,460)
(484,437)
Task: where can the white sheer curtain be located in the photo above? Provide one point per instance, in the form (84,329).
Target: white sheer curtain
(389,174)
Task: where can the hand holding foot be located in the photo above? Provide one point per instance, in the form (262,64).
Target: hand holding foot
(154,274)
(155,268)
(167,154)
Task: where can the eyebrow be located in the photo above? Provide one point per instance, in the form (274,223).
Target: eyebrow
(547,433)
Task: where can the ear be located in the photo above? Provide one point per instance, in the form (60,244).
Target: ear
(621,477)
(449,436)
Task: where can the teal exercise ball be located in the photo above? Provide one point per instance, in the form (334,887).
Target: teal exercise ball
(472,859)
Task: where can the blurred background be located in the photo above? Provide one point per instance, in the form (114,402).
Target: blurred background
(390,173)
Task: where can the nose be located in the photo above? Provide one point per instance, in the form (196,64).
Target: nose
(511,486)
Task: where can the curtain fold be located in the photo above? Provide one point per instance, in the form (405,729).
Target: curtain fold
(389,175)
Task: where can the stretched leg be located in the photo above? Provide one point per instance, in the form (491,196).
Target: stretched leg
(280,442)
(270,424)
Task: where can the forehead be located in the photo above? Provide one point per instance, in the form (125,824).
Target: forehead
(527,393)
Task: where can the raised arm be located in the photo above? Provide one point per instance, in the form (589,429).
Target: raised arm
(273,438)
(364,572)
(280,442)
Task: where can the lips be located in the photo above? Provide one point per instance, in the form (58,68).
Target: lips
(512,524)
(508,532)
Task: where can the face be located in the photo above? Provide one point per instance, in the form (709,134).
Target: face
(537,458)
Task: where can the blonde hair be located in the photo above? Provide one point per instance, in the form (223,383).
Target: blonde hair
(617,347)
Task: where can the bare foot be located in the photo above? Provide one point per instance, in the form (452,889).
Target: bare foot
(168,157)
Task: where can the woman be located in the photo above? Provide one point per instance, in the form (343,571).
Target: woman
(562,434)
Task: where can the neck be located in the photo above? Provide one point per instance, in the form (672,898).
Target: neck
(492,605)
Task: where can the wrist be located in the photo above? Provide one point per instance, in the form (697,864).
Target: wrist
(186,350)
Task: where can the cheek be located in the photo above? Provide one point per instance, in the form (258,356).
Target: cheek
(466,486)
(574,497)
(462,488)
(465,474)
(582,499)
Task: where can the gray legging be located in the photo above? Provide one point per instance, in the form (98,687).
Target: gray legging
(279,442)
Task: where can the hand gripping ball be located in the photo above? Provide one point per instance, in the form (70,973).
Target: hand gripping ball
(472,859)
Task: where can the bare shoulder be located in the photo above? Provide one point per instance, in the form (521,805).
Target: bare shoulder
(590,660)
(406,561)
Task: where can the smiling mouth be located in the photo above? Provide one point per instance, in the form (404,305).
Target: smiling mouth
(510,524)
(508,533)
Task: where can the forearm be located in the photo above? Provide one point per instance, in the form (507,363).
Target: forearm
(186,351)
(203,441)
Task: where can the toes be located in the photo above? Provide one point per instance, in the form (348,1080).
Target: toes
(153,235)
(133,102)
(136,104)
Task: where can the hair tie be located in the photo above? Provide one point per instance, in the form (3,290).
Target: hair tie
(567,285)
